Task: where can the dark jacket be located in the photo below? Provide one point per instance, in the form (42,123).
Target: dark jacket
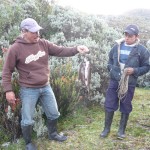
(139,59)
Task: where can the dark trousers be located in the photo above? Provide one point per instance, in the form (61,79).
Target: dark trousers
(112,102)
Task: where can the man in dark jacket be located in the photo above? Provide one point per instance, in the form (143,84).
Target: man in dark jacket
(128,59)
(30,55)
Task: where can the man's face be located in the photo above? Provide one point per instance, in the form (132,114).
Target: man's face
(130,39)
(31,37)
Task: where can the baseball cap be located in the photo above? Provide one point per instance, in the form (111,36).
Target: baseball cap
(132,29)
(30,25)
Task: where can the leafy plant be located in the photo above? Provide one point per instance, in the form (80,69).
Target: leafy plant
(63,81)
(10,120)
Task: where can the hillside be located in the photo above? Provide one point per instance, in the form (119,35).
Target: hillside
(140,17)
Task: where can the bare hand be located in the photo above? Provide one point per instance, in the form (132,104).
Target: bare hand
(82,49)
(4,50)
(10,96)
(129,71)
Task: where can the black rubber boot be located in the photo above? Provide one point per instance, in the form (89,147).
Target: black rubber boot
(52,131)
(108,121)
(123,124)
(27,132)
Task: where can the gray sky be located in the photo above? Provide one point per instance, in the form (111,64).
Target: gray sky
(106,7)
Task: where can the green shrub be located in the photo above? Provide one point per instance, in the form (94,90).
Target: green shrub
(10,116)
(63,81)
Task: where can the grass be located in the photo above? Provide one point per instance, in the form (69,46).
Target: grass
(85,125)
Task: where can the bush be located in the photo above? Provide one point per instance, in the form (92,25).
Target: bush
(10,116)
(63,80)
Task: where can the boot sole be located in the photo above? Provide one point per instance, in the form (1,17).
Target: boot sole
(53,139)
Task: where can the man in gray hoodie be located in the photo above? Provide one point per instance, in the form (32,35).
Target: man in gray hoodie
(128,60)
(29,55)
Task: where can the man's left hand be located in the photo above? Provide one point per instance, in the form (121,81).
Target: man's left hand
(129,71)
(82,49)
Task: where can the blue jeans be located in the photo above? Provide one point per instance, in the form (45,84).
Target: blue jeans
(29,98)
(112,102)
